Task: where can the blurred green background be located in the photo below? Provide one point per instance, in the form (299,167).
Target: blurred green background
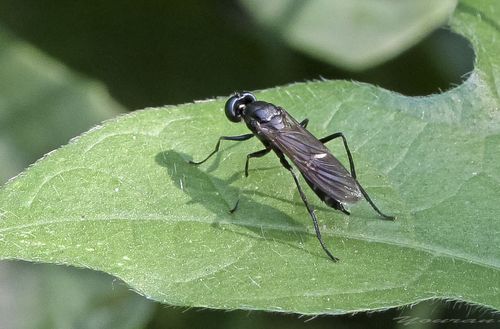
(66,66)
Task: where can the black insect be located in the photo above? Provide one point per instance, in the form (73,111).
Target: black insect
(281,133)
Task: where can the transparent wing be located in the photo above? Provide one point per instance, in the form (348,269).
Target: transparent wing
(314,161)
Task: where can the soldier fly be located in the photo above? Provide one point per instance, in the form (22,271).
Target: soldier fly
(281,133)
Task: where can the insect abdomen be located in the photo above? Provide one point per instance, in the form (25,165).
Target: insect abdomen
(324,197)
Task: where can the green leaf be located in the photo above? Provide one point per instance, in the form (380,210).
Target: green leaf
(42,104)
(122,199)
(355,35)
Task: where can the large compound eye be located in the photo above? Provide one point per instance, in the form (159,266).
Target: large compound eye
(236,104)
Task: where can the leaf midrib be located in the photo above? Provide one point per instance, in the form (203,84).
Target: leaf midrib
(418,246)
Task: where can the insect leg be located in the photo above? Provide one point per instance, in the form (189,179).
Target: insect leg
(353,172)
(304,123)
(337,135)
(384,216)
(309,208)
(226,138)
(235,207)
(257,154)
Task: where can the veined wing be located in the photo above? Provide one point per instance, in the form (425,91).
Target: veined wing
(315,161)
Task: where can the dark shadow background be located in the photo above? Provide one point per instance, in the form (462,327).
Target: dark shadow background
(152,53)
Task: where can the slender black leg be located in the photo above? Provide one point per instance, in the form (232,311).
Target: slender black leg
(257,154)
(326,139)
(340,207)
(304,122)
(226,138)
(235,207)
(384,216)
(309,208)
(353,172)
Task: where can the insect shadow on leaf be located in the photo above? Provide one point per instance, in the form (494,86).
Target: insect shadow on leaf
(264,221)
